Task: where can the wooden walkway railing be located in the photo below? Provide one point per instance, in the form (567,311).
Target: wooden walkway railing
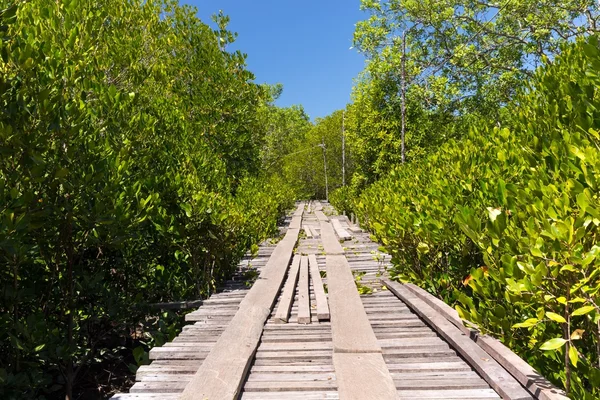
(303,331)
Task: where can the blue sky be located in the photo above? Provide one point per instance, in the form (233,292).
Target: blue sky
(305,45)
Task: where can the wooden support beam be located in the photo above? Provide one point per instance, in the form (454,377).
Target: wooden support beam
(287,297)
(303,293)
(494,374)
(320,296)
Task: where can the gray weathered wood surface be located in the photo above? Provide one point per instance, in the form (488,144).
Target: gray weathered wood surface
(497,377)
(287,297)
(535,383)
(317,338)
(222,373)
(320,296)
(303,291)
(341,232)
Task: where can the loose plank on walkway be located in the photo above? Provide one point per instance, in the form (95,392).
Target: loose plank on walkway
(498,378)
(321,297)
(321,216)
(341,232)
(307,231)
(223,371)
(303,294)
(287,297)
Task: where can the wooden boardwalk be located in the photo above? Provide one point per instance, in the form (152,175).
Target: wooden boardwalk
(304,331)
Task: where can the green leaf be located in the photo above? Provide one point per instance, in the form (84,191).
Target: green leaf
(187,209)
(536,252)
(573,355)
(555,317)
(583,310)
(526,324)
(553,344)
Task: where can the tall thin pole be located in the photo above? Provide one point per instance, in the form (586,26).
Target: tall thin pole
(403,94)
(325,168)
(344,148)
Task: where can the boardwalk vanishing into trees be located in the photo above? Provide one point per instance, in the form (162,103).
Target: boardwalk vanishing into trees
(322,320)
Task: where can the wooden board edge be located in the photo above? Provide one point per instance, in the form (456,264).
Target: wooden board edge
(303,290)
(489,369)
(289,286)
(323,313)
(532,380)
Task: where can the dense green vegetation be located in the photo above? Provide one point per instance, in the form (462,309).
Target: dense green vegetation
(496,209)
(131,150)
(504,223)
(139,160)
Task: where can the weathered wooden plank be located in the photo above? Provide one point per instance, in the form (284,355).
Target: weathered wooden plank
(436,365)
(290,376)
(308,232)
(317,395)
(176,354)
(498,378)
(145,396)
(295,346)
(291,362)
(539,386)
(523,372)
(330,242)
(158,387)
(363,377)
(149,370)
(320,296)
(341,232)
(430,383)
(448,312)
(292,338)
(453,394)
(321,216)
(160,377)
(270,327)
(350,327)
(296,355)
(286,369)
(224,369)
(296,222)
(437,374)
(303,293)
(360,368)
(287,297)
(284,386)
